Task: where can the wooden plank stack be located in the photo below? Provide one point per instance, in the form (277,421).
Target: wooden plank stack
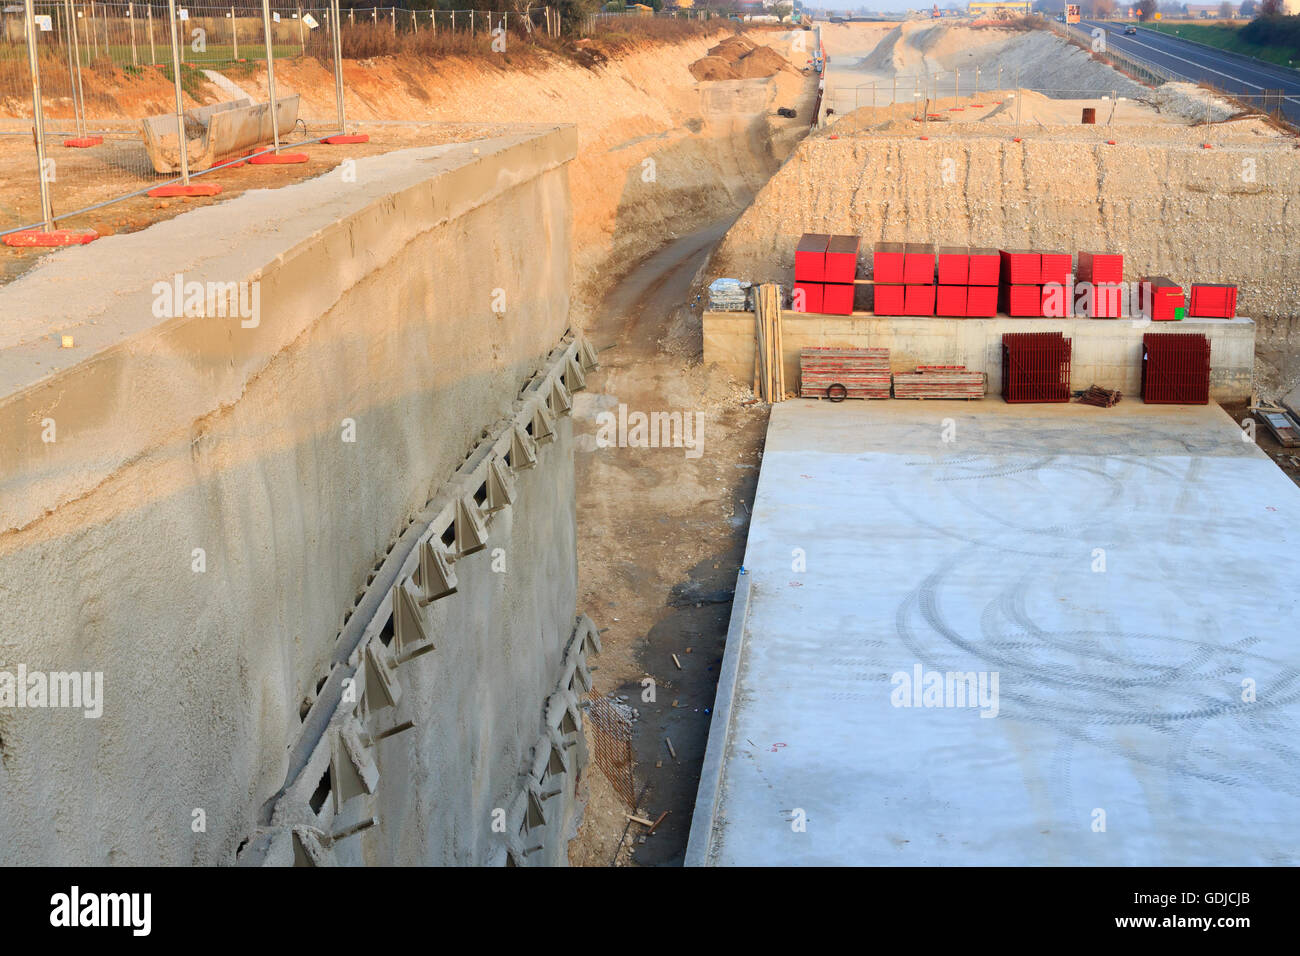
(1101,397)
(939,381)
(769,373)
(864,373)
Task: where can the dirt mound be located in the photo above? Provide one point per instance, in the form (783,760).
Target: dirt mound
(732,48)
(761,61)
(713,68)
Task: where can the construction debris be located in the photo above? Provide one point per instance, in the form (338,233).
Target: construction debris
(1101,397)
(940,381)
(728,295)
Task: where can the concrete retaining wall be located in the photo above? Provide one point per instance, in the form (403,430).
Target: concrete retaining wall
(1104,352)
(192,505)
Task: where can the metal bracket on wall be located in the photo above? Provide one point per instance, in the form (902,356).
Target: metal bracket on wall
(437,578)
(471,532)
(408,626)
(500,486)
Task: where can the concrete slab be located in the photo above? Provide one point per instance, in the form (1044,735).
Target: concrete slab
(1127,576)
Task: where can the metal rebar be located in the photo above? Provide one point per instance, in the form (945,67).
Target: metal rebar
(38,115)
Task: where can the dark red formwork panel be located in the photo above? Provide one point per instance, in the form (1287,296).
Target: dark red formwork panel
(985,267)
(812,297)
(887,262)
(1055,267)
(1035,367)
(950,300)
(981,301)
(918,263)
(1107,267)
(1175,368)
(954,265)
(918,300)
(888,299)
(1101,302)
(1213,301)
(810,257)
(1021,268)
(864,373)
(837,298)
(842,259)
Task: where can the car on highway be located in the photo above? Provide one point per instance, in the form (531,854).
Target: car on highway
(1130,31)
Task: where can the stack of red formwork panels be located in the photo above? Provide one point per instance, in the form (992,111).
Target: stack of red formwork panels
(888,297)
(841,269)
(809,272)
(918,279)
(1103,275)
(1159,298)
(939,381)
(1175,368)
(1035,367)
(1036,284)
(1213,301)
(982,275)
(864,373)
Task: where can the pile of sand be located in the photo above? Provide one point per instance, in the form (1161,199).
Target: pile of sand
(738,58)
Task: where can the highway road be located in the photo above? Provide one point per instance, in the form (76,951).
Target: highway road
(1230,72)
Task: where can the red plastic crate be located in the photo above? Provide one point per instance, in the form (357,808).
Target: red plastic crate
(810,257)
(981,301)
(954,266)
(1035,367)
(888,299)
(1055,267)
(837,298)
(1106,267)
(1021,268)
(985,267)
(918,263)
(918,299)
(1175,368)
(887,262)
(1213,301)
(951,300)
(812,297)
(842,259)
(1158,297)
(1024,301)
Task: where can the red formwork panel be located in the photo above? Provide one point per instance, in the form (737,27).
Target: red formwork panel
(950,300)
(985,267)
(807,294)
(1213,301)
(954,265)
(1100,302)
(842,259)
(888,299)
(1175,368)
(1024,301)
(981,301)
(1055,267)
(918,263)
(1159,297)
(1021,268)
(1057,301)
(1035,367)
(810,257)
(918,299)
(887,262)
(837,298)
(864,373)
(1107,267)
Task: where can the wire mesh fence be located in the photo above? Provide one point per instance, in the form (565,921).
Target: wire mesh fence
(611,744)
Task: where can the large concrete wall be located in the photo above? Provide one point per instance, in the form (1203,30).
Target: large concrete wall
(377,322)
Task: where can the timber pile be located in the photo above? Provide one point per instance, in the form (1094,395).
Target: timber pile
(864,373)
(1101,397)
(939,381)
(769,373)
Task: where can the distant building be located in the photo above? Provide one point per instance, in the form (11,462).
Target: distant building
(1208,11)
(1000,10)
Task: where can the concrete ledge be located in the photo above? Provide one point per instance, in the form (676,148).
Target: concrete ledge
(1106,352)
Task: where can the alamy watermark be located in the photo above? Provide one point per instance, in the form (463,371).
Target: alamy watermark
(655,430)
(177,298)
(922,688)
(78,690)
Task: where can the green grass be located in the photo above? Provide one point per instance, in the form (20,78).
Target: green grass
(1225,37)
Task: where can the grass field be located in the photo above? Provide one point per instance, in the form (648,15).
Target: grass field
(1225,37)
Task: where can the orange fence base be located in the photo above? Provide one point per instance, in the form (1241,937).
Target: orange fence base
(194,189)
(345,139)
(83,142)
(57,237)
(278,159)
